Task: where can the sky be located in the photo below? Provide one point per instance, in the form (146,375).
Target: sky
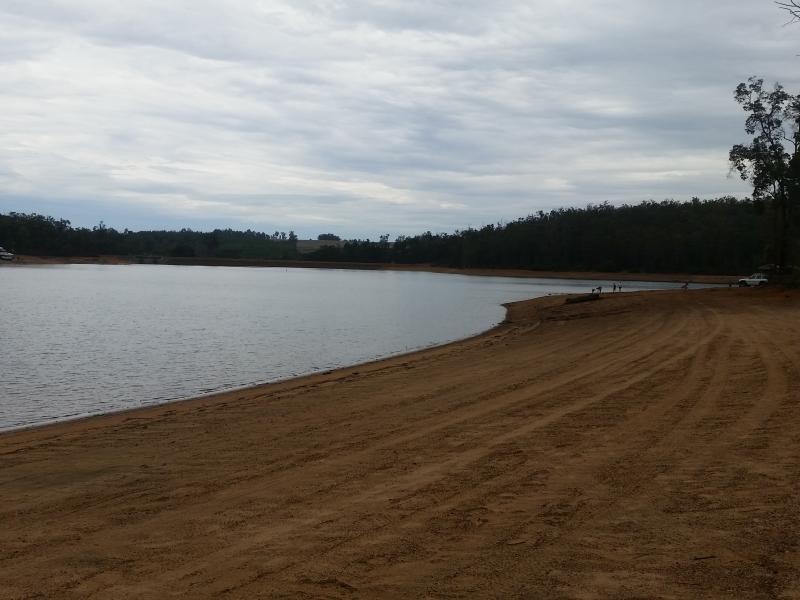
(363,118)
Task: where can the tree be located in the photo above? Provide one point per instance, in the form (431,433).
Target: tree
(765,161)
(331,237)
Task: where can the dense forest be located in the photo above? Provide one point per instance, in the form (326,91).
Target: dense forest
(39,235)
(723,235)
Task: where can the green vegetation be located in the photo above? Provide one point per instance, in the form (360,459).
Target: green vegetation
(723,235)
(45,236)
(773,119)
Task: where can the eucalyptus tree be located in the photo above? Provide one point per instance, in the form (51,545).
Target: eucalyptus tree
(770,161)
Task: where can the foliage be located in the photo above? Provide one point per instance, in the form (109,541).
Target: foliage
(354,251)
(45,236)
(766,162)
(724,235)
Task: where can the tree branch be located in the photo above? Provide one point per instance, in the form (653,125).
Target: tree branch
(792,7)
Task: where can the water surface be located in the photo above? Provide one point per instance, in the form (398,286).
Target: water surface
(87,339)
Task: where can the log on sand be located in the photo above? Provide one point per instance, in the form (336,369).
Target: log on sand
(644,446)
(582,298)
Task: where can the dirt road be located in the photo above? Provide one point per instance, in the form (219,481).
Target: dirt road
(641,446)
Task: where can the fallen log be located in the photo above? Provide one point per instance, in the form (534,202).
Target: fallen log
(583,298)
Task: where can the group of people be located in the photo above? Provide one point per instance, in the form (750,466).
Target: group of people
(617,287)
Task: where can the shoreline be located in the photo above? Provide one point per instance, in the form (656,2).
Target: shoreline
(211,396)
(644,444)
(248,386)
(313,378)
(25,260)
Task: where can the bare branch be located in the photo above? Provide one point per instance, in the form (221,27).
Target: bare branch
(792,7)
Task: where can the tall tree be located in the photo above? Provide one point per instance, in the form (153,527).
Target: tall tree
(766,161)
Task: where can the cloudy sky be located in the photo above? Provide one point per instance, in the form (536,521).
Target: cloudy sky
(362,118)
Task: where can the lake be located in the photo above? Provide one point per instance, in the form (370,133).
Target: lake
(79,340)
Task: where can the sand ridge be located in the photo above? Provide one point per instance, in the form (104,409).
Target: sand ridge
(642,446)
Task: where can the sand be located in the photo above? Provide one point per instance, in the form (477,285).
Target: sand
(641,446)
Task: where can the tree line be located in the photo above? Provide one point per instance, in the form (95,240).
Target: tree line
(41,235)
(723,235)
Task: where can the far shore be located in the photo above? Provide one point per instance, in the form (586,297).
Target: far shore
(642,445)
(312,264)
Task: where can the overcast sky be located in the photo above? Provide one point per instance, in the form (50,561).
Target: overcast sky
(362,118)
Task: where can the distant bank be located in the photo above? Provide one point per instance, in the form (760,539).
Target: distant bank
(316,264)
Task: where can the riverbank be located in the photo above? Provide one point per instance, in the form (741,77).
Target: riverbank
(643,445)
(312,264)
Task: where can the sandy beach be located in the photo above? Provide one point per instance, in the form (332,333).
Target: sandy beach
(644,445)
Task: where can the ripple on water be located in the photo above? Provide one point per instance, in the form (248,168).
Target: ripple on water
(87,339)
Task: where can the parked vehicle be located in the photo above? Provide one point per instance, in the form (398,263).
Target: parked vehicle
(754,280)
(5,254)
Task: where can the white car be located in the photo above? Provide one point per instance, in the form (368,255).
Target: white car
(5,254)
(754,279)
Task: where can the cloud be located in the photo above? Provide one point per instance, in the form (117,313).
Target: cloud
(371,116)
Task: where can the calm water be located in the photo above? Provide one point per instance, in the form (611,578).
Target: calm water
(86,339)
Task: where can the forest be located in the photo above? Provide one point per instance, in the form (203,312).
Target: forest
(723,235)
(40,235)
(716,236)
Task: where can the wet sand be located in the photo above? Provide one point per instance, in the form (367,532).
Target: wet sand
(641,446)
